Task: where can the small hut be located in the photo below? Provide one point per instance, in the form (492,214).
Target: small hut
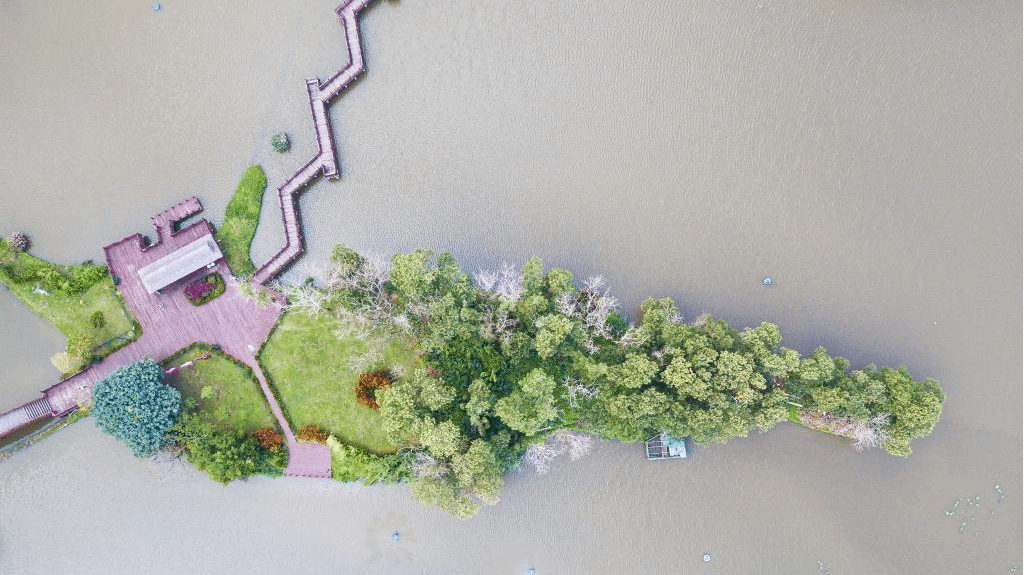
(663,446)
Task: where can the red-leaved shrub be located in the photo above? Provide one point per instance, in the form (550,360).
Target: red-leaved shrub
(370,383)
(312,434)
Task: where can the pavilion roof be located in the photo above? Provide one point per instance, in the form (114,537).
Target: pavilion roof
(179,263)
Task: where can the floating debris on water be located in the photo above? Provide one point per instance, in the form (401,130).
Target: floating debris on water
(706,557)
(767,281)
(952,512)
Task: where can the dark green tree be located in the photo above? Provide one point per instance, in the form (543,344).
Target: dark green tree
(530,407)
(134,405)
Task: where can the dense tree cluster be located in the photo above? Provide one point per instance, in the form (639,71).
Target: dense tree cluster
(226,454)
(512,357)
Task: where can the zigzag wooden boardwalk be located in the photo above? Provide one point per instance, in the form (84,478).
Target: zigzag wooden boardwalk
(325,161)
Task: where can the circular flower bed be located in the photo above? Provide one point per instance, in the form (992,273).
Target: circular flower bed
(205,289)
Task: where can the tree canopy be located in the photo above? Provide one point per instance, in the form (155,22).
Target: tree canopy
(514,356)
(134,405)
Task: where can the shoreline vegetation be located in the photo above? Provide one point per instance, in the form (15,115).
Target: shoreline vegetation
(241,216)
(80,301)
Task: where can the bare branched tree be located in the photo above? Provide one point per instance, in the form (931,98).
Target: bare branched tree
(425,465)
(592,306)
(304,298)
(365,361)
(864,433)
(870,433)
(353,324)
(576,390)
(258,294)
(510,283)
(167,464)
(577,444)
(633,337)
(540,455)
(485,280)
(496,323)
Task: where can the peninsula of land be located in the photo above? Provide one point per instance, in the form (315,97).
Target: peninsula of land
(409,370)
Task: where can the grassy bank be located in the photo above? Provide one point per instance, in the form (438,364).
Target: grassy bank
(227,394)
(79,300)
(311,368)
(240,219)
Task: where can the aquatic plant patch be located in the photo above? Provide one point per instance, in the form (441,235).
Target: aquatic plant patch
(240,219)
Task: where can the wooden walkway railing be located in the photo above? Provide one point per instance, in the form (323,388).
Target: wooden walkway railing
(325,161)
(21,416)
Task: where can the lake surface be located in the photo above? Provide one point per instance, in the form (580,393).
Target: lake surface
(866,155)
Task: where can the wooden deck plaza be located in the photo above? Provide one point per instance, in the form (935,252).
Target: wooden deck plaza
(234,322)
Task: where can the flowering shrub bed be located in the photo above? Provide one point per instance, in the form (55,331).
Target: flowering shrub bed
(205,289)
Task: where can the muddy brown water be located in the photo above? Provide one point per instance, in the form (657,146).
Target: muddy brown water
(866,155)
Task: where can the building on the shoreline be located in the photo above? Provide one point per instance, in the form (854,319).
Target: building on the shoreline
(663,446)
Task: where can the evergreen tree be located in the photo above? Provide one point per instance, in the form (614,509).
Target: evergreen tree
(134,405)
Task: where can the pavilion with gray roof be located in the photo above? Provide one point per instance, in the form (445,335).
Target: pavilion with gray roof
(183,261)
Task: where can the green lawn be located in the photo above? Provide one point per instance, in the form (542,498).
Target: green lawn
(310,367)
(234,398)
(240,219)
(49,291)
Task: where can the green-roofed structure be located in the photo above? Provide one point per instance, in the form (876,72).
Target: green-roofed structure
(663,446)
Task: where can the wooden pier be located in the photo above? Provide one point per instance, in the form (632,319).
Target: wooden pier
(325,161)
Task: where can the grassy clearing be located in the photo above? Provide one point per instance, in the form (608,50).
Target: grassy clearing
(69,298)
(240,219)
(227,394)
(310,366)
(792,414)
